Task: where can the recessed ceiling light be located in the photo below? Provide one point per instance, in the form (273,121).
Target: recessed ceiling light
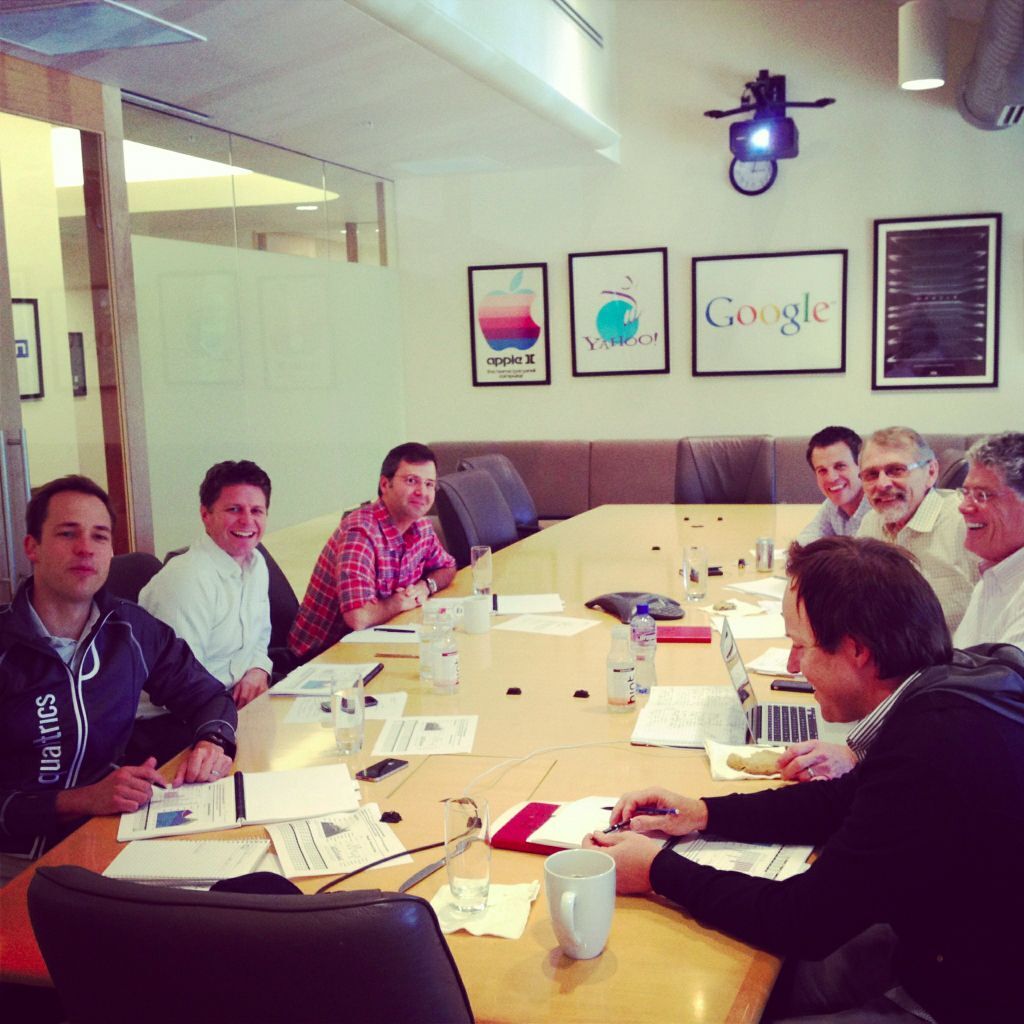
(307,207)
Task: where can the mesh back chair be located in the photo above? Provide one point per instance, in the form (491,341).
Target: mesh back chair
(512,487)
(130,573)
(119,950)
(473,511)
(725,470)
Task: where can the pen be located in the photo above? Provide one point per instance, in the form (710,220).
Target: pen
(372,674)
(388,654)
(391,629)
(622,825)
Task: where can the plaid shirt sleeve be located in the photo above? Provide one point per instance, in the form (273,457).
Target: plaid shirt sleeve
(355,570)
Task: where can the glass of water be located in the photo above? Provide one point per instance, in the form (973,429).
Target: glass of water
(695,573)
(347,711)
(481,559)
(467,852)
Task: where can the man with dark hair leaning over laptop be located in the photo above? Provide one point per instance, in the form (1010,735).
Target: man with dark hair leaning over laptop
(905,914)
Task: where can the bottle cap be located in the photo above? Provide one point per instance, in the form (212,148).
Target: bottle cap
(643,609)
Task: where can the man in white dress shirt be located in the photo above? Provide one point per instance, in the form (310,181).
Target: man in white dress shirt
(992,504)
(898,470)
(215,596)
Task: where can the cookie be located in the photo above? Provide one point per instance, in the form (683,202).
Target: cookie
(761,762)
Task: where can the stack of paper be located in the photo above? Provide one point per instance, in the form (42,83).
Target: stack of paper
(315,680)
(685,716)
(187,862)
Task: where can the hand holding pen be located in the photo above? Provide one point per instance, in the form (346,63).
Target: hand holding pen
(623,825)
(656,809)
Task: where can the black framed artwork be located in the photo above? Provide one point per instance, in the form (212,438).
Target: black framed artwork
(28,347)
(765,313)
(936,302)
(618,302)
(508,324)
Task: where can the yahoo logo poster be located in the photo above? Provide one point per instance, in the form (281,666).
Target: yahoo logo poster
(619,312)
(770,313)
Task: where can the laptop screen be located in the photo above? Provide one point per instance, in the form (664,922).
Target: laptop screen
(738,675)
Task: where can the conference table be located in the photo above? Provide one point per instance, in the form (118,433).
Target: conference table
(542,744)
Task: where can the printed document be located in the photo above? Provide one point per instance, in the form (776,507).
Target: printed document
(315,680)
(427,734)
(335,844)
(685,716)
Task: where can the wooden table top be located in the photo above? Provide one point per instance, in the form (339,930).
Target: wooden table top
(657,956)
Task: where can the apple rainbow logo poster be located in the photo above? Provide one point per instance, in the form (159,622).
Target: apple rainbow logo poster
(505,318)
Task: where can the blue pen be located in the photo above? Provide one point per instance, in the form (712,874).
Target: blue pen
(623,825)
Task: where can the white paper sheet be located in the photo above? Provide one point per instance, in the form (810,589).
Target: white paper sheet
(763,585)
(407,634)
(574,820)
(753,627)
(547,625)
(335,844)
(763,860)
(307,710)
(773,663)
(194,862)
(315,680)
(685,716)
(718,755)
(520,604)
(427,734)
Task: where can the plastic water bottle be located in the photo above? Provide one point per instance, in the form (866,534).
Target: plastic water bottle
(446,655)
(643,642)
(428,638)
(620,672)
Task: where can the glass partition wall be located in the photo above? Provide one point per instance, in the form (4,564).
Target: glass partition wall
(268,319)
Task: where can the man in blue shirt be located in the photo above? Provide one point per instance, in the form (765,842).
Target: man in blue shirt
(832,453)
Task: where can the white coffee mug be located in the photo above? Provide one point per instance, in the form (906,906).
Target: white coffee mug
(476,614)
(580,887)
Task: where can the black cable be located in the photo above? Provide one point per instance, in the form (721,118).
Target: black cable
(383,860)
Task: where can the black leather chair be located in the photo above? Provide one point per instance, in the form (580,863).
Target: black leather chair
(119,951)
(130,573)
(473,511)
(512,487)
(955,473)
(725,470)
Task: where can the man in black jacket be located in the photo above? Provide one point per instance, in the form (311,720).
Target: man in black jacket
(917,890)
(73,661)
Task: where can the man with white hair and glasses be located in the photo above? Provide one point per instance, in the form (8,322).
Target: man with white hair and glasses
(992,505)
(898,470)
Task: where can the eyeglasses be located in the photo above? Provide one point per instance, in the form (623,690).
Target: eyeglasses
(977,495)
(894,471)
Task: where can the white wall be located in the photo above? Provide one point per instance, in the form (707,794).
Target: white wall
(293,363)
(877,153)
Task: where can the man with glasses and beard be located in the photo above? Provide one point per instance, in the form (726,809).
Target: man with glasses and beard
(898,470)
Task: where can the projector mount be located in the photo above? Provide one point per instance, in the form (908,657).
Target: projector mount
(768,136)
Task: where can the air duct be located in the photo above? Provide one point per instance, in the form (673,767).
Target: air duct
(991,93)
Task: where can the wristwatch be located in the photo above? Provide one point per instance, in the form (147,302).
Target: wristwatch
(431,584)
(219,739)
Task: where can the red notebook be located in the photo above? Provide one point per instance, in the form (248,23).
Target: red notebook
(515,833)
(684,634)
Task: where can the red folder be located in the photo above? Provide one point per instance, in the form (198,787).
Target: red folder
(684,634)
(515,833)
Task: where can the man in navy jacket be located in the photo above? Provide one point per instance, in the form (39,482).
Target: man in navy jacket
(73,661)
(917,886)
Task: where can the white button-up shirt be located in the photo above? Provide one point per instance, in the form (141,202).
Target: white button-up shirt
(996,611)
(220,609)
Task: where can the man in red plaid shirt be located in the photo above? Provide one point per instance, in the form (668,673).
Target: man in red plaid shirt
(382,559)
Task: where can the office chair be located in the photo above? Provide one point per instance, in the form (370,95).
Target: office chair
(725,470)
(130,573)
(119,950)
(473,511)
(512,488)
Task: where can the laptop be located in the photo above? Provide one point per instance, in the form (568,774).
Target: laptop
(778,723)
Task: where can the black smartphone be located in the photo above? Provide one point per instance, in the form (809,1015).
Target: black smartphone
(792,685)
(368,702)
(381,770)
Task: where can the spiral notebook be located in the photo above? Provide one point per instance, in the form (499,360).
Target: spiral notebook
(186,862)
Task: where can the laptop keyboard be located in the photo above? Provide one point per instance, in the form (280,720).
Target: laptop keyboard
(789,723)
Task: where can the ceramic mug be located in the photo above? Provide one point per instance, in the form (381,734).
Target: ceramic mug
(580,887)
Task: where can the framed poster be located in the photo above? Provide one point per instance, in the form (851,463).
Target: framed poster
(508,314)
(762,313)
(27,347)
(618,302)
(76,347)
(936,311)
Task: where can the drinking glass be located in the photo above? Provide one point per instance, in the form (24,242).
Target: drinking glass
(467,852)
(347,711)
(483,568)
(695,573)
